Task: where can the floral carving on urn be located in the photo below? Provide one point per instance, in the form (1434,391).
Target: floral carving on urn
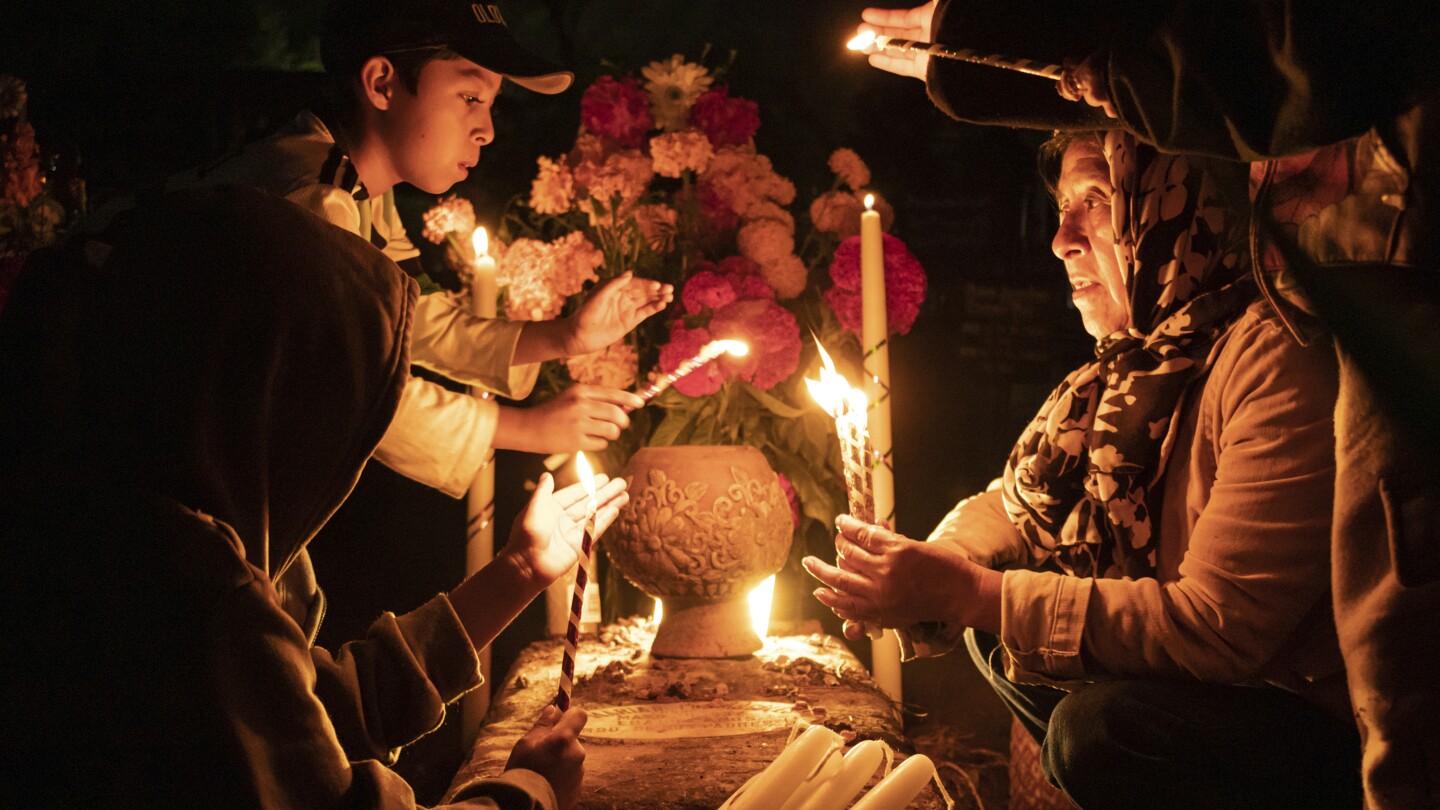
(704,526)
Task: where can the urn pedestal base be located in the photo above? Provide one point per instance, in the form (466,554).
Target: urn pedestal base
(695,628)
(703,527)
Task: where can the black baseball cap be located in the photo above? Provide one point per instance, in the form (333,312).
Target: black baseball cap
(356,30)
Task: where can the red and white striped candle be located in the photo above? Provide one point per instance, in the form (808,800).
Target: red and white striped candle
(582,577)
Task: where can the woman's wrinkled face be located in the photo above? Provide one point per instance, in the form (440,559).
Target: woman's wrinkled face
(1085,241)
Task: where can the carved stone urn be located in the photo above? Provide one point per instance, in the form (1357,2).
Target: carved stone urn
(703,527)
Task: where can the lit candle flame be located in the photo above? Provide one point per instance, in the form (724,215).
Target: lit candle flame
(862,40)
(760,600)
(481,242)
(832,391)
(734,348)
(869,202)
(587,478)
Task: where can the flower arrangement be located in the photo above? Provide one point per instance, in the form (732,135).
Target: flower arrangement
(664,178)
(33,213)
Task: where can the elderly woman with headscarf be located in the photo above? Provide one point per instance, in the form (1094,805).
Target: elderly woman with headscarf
(1147,584)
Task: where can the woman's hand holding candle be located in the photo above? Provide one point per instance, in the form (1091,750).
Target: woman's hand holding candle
(888,579)
(545,542)
(914,23)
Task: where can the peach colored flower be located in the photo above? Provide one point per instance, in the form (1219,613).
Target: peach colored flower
(744,179)
(539,276)
(769,210)
(20,178)
(627,174)
(678,152)
(852,170)
(837,212)
(788,276)
(765,241)
(553,190)
(452,214)
(614,366)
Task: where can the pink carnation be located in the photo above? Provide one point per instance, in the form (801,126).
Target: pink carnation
(725,121)
(790,495)
(616,109)
(773,335)
(706,290)
(683,345)
(904,285)
(745,278)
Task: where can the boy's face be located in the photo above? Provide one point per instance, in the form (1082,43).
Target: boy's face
(434,136)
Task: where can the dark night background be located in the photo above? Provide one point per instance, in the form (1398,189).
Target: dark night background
(127,92)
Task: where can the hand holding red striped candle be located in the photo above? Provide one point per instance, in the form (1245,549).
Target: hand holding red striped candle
(582,576)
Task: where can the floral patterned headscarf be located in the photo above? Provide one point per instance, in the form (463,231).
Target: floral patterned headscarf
(1078,482)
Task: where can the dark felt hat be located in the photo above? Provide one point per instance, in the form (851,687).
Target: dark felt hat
(356,30)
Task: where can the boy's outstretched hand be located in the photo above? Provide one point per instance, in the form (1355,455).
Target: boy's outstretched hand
(545,541)
(613,310)
(552,749)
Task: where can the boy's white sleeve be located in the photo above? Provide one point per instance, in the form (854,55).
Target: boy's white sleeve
(447,339)
(438,437)
(332,204)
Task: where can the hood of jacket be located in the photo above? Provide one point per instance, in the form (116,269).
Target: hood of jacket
(232,352)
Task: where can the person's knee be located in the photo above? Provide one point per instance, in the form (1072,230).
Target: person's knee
(1098,732)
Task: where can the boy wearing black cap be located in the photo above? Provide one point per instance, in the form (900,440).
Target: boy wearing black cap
(412,83)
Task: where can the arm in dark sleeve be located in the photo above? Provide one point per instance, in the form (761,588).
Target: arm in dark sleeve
(389,689)
(1254,80)
(1235,79)
(263,684)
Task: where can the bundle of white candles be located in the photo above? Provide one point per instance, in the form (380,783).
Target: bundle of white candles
(812,774)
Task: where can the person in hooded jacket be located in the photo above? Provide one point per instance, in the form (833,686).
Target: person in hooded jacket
(181,409)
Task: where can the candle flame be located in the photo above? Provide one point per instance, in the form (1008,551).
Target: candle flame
(587,477)
(832,390)
(869,202)
(862,40)
(760,601)
(734,348)
(481,242)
